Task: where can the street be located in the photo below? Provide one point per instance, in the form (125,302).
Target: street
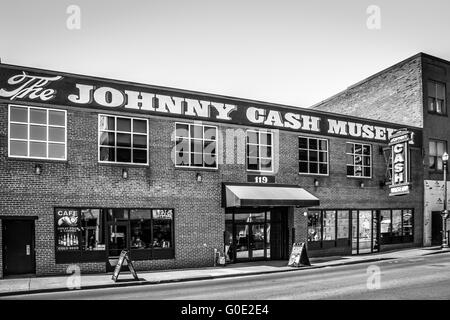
(419,278)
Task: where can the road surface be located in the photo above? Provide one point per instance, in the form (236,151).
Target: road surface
(419,278)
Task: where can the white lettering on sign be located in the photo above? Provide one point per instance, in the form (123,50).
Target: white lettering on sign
(110,97)
(358,130)
(400,180)
(31,87)
(398,164)
(289,120)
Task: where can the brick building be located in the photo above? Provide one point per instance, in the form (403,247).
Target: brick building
(91,166)
(412,92)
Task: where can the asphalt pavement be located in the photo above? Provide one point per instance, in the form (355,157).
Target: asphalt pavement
(425,277)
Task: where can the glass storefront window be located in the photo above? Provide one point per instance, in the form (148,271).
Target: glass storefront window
(396,223)
(92,229)
(329,225)
(117,214)
(249,217)
(140,224)
(385,222)
(343,224)
(162,228)
(314,226)
(407,223)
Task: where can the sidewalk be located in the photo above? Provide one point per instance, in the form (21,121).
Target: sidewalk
(93,281)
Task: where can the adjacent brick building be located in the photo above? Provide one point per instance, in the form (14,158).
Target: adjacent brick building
(91,166)
(413,92)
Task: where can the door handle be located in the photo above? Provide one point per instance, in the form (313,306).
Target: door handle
(28,249)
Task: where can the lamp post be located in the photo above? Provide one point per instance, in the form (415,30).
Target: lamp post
(445,211)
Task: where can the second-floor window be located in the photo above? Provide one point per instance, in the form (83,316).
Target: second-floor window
(196,145)
(313,155)
(123,140)
(436,97)
(359,160)
(37,133)
(436,150)
(259,151)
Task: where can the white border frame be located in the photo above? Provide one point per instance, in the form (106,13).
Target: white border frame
(115,140)
(28,140)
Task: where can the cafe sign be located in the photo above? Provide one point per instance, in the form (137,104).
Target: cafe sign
(399,142)
(23,85)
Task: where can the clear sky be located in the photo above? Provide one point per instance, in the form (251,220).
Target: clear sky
(291,52)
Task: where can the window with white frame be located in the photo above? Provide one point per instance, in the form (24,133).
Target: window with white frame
(38,133)
(259,151)
(122,139)
(313,155)
(359,160)
(196,145)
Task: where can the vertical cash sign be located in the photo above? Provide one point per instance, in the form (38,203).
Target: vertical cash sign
(399,142)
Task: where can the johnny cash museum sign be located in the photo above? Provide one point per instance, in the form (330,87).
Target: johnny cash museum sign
(400,184)
(22,85)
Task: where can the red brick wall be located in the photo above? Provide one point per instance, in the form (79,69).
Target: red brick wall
(393,95)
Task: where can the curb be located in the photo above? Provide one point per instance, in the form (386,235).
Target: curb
(132,283)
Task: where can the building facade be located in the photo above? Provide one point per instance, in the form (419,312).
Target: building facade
(92,166)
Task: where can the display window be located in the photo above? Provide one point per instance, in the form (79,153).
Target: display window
(93,234)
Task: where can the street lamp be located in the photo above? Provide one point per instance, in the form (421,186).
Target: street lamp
(445,211)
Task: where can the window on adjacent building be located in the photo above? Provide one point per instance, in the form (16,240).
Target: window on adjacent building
(123,140)
(196,145)
(37,133)
(359,160)
(259,151)
(436,97)
(436,150)
(313,155)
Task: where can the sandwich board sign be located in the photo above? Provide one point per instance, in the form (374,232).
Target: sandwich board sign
(299,256)
(124,256)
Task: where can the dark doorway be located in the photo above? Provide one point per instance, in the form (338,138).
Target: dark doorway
(256,234)
(436,228)
(18,247)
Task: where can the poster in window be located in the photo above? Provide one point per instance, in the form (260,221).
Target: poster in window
(66,229)
(163,214)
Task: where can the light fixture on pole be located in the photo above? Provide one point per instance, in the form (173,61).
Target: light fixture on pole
(445,211)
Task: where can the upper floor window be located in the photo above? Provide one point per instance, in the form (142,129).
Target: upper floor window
(436,150)
(259,151)
(37,133)
(359,160)
(313,155)
(436,97)
(122,139)
(196,145)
